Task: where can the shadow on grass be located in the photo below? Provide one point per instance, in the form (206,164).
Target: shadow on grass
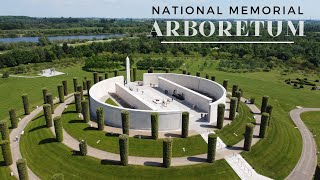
(110,162)
(317,173)
(38,117)
(90,129)
(2,163)
(172,135)
(76,121)
(70,112)
(112,134)
(47,141)
(37,128)
(142,137)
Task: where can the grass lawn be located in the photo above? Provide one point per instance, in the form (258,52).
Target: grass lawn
(194,145)
(111,102)
(312,121)
(4,171)
(47,157)
(227,134)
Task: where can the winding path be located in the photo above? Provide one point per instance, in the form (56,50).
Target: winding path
(306,166)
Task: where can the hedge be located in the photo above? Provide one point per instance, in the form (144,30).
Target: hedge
(252,100)
(61,94)
(49,99)
(248,136)
(13,118)
(154,125)
(167,152)
(83,147)
(65,87)
(263,125)
(58,128)
(106,75)
(269,111)
(85,111)
(185,125)
(44,93)
(22,169)
(75,84)
(225,84)
(58,176)
(198,74)
(233,108)
(151,70)
(220,116)
(84,85)
(95,77)
(134,74)
(47,115)
(26,105)
(207,76)
(234,89)
(6,152)
(184,71)
(167,70)
(89,84)
(116,73)
(212,143)
(100,118)
(77,97)
(213,78)
(238,96)
(80,90)
(264,104)
(124,149)
(4,130)
(189,73)
(100,78)
(125,117)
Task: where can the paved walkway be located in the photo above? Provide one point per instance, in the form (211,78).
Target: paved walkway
(306,166)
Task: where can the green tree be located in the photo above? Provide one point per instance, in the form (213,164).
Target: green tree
(225,84)
(65,87)
(61,93)
(124,149)
(264,104)
(47,114)
(100,119)
(13,118)
(185,125)
(49,100)
(85,111)
(58,128)
(75,84)
(44,93)
(83,147)
(6,152)
(125,117)
(134,72)
(4,130)
(263,125)
(212,143)
(77,97)
(95,77)
(26,105)
(220,117)
(248,137)
(233,108)
(234,90)
(167,152)
(22,169)
(154,125)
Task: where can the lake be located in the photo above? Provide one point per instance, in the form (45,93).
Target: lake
(57,38)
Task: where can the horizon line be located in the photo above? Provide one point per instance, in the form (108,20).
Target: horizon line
(227,42)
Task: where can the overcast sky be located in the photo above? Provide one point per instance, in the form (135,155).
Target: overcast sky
(142,8)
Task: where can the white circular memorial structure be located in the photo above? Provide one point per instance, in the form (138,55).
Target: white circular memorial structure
(167,94)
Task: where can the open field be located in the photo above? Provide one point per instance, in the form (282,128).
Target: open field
(274,156)
(194,145)
(47,157)
(312,120)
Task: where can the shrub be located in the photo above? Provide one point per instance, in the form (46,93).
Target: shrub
(184,71)
(248,137)
(95,77)
(116,73)
(22,169)
(5,74)
(220,116)
(44,93)
(234,90)
(47,115)
(75,84)
(61,94)
(189,73)
(225,84)
(167,70)
(207,76)
(58,176)
(26,105)
(269,111)
(125,122)
(288,82)
(185,125)
(154,125)
(84,85)
(264,104)
(301,86)
(13,118)
(263,125)
(198,74)
(151,69)
(77,97)
(83,148)
(317,80)
(212,143)
(100,78)
(167,152)
(85,111)
(58,128)
(100,118)
(238,96)
(65,87)
(89,84)
(80,90)
(134,73)
(213,78)
(106,75)
(252,100)
(6,152)
(124,149)
(49,99)
(314,88)
(4,130)
(233,108)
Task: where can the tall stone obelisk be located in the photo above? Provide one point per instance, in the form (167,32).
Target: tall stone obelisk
(128,70)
